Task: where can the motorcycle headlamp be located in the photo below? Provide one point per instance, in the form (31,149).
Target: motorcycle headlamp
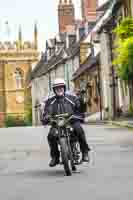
(71,129)
(61,122)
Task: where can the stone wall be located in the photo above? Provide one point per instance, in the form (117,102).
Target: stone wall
(14,96)
(105,75)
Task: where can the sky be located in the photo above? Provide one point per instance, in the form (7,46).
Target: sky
(25,13)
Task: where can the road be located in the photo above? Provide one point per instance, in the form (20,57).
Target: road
(25,174)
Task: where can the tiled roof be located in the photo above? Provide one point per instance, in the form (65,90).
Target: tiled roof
(73,49)
(104,6)
(43,67)
(107,15)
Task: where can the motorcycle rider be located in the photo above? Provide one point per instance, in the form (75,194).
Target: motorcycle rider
(63,102)
(79,94)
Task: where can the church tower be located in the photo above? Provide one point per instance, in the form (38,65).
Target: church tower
(89,10)
(66,15)
(16,60)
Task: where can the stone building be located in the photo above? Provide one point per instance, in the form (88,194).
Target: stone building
(98,72)
(16,59)
(86,77)
(115,93)
(64,54)
(58,60)
(87,82)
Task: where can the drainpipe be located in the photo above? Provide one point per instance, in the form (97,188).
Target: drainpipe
(113,85)
(99,88)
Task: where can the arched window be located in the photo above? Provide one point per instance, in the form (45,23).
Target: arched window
(19,78)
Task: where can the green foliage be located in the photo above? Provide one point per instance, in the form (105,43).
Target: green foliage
(125,29)
(124,59)
(124,50)
(14,121)
(28,115)
(28,107)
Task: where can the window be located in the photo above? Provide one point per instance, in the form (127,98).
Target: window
(19,78)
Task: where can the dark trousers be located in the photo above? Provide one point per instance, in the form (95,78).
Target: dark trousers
(79,133)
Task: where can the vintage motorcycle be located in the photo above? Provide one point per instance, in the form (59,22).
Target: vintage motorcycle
(68,143)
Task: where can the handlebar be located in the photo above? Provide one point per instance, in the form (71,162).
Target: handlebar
(67,117)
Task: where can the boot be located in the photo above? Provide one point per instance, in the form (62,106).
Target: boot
(85,156)
(54,161)
(89,149)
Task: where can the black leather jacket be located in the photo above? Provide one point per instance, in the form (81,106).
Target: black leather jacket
(56,105)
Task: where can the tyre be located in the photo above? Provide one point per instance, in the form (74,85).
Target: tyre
(76,153)
(65,156)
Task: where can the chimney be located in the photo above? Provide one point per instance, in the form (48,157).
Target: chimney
(66,15)
(89,10)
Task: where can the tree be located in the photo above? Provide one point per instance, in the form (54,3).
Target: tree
(125,29)
(124,59)
(124,52)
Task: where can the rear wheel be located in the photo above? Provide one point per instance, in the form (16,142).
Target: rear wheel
(65,156)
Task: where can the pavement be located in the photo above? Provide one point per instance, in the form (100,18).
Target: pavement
(122,122)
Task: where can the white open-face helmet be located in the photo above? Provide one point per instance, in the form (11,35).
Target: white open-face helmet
(59,82)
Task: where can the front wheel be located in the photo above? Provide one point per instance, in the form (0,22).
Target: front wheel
(65,156)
